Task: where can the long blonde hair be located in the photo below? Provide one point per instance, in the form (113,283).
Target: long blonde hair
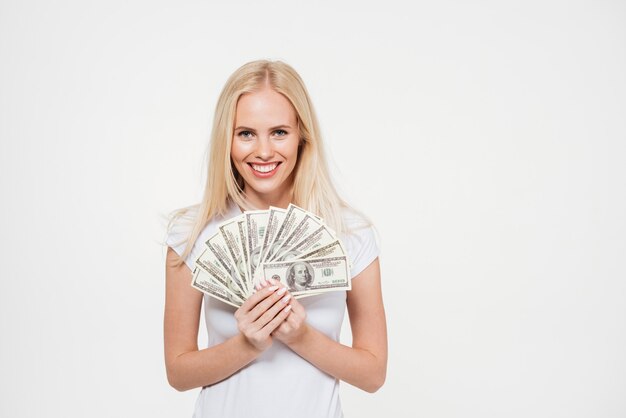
(312,189)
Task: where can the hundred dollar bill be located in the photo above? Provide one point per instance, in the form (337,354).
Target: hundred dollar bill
(293,217)
(274,221)
(243,237)
(301,231)
(256,224)
(218,246)
(230,233)
(311,275)
(334,249)
(209,263)
(318,238)
(205,283)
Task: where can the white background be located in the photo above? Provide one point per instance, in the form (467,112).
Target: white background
(485,139)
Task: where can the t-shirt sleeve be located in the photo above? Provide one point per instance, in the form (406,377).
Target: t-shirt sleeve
(177,239)
(362,248)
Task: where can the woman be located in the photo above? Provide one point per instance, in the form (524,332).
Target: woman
(274,356)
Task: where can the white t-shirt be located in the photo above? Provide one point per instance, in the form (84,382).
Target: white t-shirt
(278,383)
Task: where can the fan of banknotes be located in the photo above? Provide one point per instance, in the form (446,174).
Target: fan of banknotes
(290,245)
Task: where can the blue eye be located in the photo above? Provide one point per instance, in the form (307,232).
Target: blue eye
(245,134)
(280,132)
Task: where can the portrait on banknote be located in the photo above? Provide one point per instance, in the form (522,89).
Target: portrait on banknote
(300,275)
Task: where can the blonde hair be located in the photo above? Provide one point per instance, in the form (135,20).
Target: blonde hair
(312,187)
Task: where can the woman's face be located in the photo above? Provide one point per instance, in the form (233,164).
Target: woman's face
(265,146)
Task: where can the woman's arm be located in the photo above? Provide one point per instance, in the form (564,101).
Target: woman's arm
(187,367)
(363,365)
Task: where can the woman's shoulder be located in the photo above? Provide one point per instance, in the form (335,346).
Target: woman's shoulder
(360,240)
(181,227)
(354,220)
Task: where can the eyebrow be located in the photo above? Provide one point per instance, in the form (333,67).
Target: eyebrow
(271,129)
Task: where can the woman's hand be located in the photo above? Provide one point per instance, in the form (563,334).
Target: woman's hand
(261,314)
(294,327)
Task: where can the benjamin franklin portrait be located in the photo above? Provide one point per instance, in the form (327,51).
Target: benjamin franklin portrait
(300,276)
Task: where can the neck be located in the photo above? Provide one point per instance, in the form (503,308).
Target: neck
(262,201)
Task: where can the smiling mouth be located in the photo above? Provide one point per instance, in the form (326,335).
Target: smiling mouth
(264,168)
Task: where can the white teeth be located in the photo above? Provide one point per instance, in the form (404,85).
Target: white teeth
(264,168)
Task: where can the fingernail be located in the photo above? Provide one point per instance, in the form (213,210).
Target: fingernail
(264,282)
(287,309)
(272,288)
(282,290)
(286,298)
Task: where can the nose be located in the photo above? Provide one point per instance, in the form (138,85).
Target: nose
(264,149)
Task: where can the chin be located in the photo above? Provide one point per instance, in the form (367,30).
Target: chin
(265,187)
